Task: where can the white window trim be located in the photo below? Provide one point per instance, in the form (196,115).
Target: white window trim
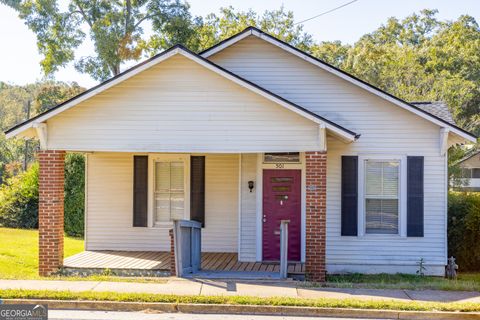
(402,197)
(152,158)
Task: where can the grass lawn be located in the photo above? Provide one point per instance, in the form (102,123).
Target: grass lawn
(241,300)
(19,252)
(465,282)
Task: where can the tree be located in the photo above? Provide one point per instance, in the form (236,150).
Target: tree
(18,103)
(279,23)
(116,29)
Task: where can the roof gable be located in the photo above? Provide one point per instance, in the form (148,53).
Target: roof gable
(180,106)
(252,31)
(335,129)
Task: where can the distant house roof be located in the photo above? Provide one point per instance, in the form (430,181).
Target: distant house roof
(436,108)
(469,156)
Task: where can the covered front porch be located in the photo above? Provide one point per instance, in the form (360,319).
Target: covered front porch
(240,201)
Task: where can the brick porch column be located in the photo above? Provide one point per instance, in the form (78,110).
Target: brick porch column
(50,210)
(316,183)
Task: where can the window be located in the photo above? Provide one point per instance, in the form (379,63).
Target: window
(381,196)
(476,173)
(169,189)
(284,157)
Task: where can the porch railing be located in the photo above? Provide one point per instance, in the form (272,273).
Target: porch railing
(187,235)
(284,248)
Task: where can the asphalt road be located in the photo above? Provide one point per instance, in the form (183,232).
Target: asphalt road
(104,315)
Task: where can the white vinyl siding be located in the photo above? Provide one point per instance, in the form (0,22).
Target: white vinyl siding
(221,203)
(385,129)
(248,217)
(110,204)
(180,106)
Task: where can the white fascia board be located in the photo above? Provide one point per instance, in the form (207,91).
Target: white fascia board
(342,75)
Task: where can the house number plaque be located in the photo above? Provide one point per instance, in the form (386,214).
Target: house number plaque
(312,188)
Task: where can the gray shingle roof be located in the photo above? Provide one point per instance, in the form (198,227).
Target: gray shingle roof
(436,108)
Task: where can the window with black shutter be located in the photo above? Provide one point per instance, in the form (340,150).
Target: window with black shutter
(197,189)
(415,172)
(349,195)
(140,191)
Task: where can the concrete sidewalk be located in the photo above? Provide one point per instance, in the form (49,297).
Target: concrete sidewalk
(243,288)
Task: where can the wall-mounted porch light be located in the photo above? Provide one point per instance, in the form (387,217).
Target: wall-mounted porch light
(250,185)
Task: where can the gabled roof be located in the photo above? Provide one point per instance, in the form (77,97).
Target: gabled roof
(436,108)
(252,31)
(471,155)
(337,130)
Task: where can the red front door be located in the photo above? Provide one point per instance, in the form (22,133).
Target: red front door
(281,201)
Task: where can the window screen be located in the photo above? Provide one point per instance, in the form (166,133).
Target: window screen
(381,196)
(169,191)
(476,173)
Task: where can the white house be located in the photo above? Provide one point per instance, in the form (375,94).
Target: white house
(245,134)
(470,167)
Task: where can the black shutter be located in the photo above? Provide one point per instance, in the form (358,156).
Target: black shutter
(349,195)
(197,189)
(140,190)
(415,196)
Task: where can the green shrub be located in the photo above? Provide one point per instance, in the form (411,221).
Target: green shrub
(19,200)
(74,194)
(19,197)
(464,229)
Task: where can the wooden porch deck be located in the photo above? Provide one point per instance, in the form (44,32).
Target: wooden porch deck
(150,260)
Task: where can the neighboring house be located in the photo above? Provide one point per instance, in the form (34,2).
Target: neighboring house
(470,175)
(240,136)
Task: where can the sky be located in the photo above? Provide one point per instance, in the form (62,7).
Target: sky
(20,60)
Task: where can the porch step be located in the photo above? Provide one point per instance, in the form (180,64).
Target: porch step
(84,272)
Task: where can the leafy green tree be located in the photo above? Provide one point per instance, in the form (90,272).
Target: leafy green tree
(116,29)
(332,52)
(19,200)
(18,103)
(74,194)
(279,23)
